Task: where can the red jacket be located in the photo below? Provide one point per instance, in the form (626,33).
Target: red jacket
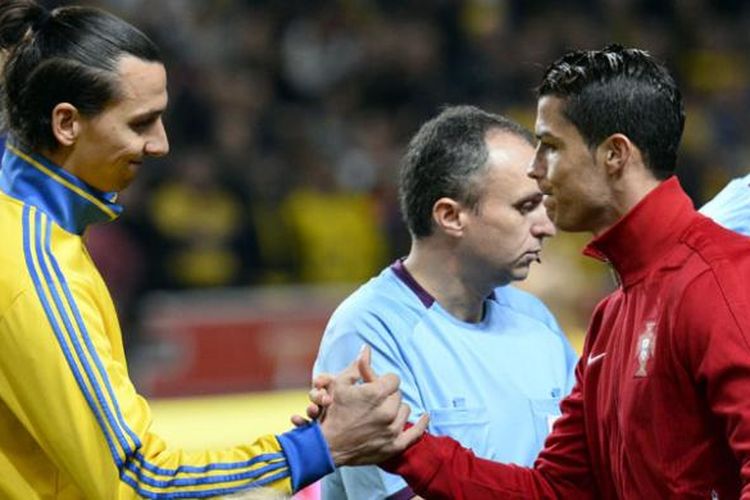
(661,407)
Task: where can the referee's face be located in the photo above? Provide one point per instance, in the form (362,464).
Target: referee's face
(110,147)
(502,235)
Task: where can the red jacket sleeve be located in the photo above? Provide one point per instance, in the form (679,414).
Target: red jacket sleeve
(438,467)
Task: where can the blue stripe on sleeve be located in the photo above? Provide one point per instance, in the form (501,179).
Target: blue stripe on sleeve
(202,493)
(193,469)
(44,247)
(56,328)
(308,455)
(199,481)
(118,424)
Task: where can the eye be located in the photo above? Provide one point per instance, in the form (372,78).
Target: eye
(529,205)
(547,146)
(140,126)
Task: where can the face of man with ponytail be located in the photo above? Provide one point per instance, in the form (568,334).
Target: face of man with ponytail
(84,89)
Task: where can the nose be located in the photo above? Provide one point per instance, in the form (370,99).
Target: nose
(542,227)
(157,144)
(537,169)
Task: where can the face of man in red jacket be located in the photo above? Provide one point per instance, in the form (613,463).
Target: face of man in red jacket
(573,176)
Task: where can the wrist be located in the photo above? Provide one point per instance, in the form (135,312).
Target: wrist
(338,456)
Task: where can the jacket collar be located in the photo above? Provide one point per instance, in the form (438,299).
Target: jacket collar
(646,233)
(70,202)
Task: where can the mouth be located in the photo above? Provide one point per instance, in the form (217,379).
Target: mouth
(533,256)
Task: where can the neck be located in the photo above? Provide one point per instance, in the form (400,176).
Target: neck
(60,157)
(437,269)
(625,194)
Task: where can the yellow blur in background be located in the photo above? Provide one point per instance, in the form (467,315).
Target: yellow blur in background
(198,423)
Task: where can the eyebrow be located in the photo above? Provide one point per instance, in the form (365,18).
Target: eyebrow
(544,134)
(147,115)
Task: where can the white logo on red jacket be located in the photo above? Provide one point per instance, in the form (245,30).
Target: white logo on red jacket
(646,346)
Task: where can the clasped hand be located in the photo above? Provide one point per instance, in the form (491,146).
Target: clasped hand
(363,423)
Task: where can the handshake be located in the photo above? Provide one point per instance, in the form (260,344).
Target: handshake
(363,423)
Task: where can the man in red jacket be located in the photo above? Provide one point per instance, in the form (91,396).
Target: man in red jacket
(661,406)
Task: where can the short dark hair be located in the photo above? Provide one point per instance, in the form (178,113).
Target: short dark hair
(444,158)
(620,90)
(70,55)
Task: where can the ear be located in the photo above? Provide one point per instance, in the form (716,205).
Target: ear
(615,152)
(448,216)
(66,123)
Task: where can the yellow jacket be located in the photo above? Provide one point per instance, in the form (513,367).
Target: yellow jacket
(71,423)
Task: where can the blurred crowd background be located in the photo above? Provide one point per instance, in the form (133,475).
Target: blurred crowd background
(287,120)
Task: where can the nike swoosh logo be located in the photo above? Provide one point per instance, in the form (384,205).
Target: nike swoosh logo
(593,359)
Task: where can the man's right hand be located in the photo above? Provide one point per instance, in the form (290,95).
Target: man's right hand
(364,423)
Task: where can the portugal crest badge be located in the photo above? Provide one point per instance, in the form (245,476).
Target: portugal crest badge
(645,348)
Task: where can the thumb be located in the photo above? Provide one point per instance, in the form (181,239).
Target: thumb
(351,373)
(364,363)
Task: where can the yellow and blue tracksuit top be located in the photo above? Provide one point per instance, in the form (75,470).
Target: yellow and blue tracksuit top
(71,423)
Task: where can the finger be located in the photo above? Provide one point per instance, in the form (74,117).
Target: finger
(299,421)
(364,363)
(313,411)
(350,375)
(388,410)
(388,383)
(314,395)
(410,435)
(319,397)
(322,380)
(401,418)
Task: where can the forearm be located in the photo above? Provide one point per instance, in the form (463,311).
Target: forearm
(438,467)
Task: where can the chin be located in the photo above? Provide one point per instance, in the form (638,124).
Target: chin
(124,183)
(519,274)
(565,224)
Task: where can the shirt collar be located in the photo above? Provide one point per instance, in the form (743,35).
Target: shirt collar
(646,233)
(70,202)
(399,269)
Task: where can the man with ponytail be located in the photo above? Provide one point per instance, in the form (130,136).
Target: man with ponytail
(83,96)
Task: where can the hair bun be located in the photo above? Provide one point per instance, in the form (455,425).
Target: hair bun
(17,17)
